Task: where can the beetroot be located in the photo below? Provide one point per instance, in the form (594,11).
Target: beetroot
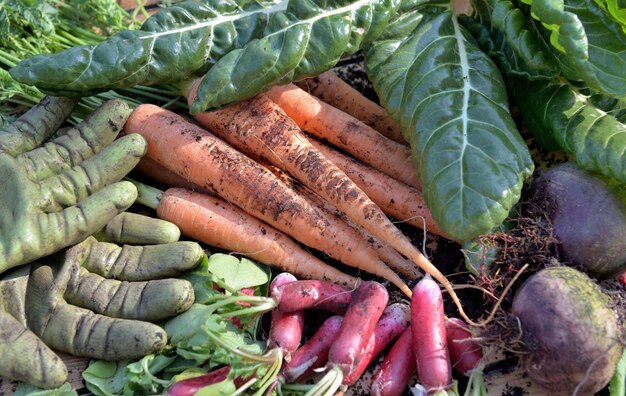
(570,331)
(588,216)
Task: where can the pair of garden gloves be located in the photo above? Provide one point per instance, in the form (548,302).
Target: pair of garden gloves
(78,273)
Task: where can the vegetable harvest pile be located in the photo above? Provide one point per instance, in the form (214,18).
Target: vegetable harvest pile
(201,205)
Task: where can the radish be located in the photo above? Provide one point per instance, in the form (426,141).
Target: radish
(570,330)
(189,386)
(465,355)
(394,374)
(357,327)
(285,327)
(394,320)
(430,347)
(313,294)
(313,354)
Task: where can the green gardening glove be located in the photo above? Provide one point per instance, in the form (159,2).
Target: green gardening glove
(94,299)
(57,192)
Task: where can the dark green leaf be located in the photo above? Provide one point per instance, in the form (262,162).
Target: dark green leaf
(308,39)
(450,99)
(595,139)
(174,44)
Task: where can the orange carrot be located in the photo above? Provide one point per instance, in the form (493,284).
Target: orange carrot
(330,88)
(259,128)
(160,174)
(395,198)
(385,252)
(217,223)
(202,158)
(348,133)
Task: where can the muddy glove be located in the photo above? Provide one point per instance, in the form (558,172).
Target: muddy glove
(56,193)
(69,301)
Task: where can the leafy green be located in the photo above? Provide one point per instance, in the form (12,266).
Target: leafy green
(172,45)
(617,386)
(595,139)
(451,101)
(307,39)
(201,338)
(589,45)
(26,389)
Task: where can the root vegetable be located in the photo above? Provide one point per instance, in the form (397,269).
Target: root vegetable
(199,156)
(285,327)
(465,355)
(394,374)
(429,337)
(571,333)
(579,204)
(313,294)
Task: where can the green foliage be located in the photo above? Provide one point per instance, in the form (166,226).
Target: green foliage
(452,104)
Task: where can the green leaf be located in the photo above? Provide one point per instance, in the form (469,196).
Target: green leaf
(308,39)
(173,45)
(451,102)
(617,386)
(223,388)
(234,274)
(596,139)
(104,378)
(590,45)
(26,389)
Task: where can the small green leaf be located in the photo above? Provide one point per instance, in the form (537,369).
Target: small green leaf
(223,388)
(234,274)
(25,389)
(105,378)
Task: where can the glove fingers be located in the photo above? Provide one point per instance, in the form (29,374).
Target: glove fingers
(93,174)
(26,358)
(76,223)
(141,263)
(36,125)
(81,332)
(82,141)
(150,301)
(135,229)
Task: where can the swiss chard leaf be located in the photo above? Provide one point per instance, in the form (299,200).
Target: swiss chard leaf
(596,139)
(588,43)
(308,39)
(172,45)
(450,99)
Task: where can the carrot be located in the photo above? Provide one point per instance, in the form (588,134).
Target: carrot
(395,198)
(430,346)
(217,223)
(259,128)
(396,370)
(385,252)
(160,174)
(330,88)
(346,132)
(199,156)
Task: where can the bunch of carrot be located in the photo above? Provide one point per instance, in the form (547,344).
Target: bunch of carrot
(285,169)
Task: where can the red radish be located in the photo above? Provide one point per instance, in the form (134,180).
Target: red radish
(430,348)
(285,327)
(365,309)
(394,374)
(313,294)
(465,355)
(395,319)
(349,346)
(622,278)
(313,354)
(189,386)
